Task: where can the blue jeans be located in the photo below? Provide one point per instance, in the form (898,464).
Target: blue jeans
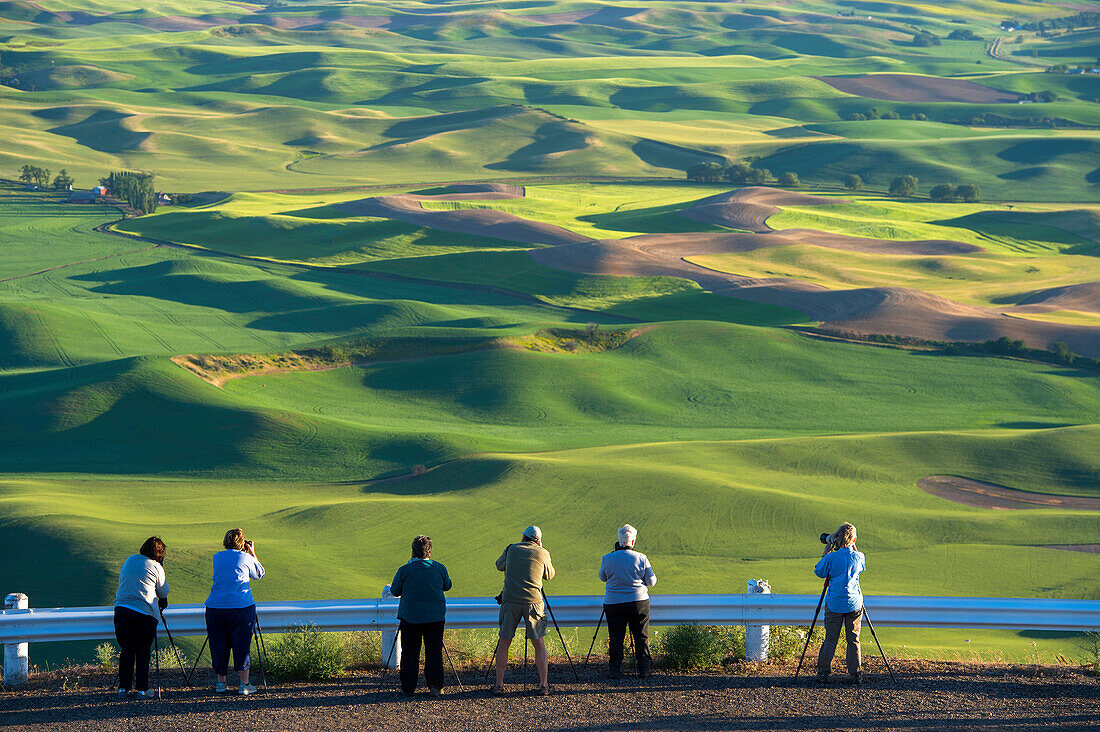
(230,628)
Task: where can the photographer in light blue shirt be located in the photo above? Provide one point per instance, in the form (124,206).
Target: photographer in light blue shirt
(840,566)
(629,576)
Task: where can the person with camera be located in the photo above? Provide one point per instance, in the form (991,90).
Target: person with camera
(420,583)
(628,576)
(526,566)
(142,594)
(840,567)
(231,611)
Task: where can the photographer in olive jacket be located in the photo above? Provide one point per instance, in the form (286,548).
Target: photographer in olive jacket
(525,565)
(840,565)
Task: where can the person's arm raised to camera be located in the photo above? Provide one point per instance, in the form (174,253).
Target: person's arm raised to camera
(547,567)
(502,561)
(605,575)
(822,568)
(446,578)
(255,569)
(649,577)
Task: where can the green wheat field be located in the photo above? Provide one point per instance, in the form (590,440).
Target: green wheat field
(286,349)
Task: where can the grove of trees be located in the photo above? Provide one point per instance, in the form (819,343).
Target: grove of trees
(134,188)
(947,192)
(32,175)
(739,173)
(903,186)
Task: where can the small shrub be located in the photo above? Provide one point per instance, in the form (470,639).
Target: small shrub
(307,654)
(1090,643)
(700,646)
(106,655)
(786,642)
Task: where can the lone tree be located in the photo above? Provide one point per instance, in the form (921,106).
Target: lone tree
(903,186)
(969,193)
(853,182)
(944,192)
(708,172)
(63,181)
(789,180)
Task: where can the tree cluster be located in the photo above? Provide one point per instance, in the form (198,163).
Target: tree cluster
(949,193)
(904,186)
(1040,96)
(134,188)
(33,175)
(740,173)
(873,113)
(1069,22)
(925,39)
(963,34)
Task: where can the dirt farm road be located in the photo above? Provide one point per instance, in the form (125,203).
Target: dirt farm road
(928,696)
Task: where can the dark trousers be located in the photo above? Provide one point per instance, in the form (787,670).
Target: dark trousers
(412,635)
(833,623)
(619,616)
(134,632)
(230,628)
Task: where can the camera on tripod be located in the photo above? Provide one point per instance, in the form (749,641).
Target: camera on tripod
(831,540)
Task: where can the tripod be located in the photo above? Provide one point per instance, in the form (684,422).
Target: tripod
(156,660)
(560,636)
(593,643)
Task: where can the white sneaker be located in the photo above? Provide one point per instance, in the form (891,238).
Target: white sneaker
(220,687)
(147,694)
(246,689)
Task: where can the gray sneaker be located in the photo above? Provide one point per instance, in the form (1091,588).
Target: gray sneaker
(147,694)
(123,694)
(246,689)
(220,687)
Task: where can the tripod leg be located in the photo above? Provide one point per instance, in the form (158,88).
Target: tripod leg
(186,680)
(593,643)
(260,659)
(810,634)
(156,660)
(525,660)
(386,665)
(453,669)
(875,636)
(198,657)
(550,610)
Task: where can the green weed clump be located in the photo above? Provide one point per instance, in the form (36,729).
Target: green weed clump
(1090,643)
(786,642)
(106,655)
(700,646)
(307,654)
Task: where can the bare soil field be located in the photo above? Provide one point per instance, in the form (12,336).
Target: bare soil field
(942,695)
(991,495)
(750,208)
(477,222)
(912,88)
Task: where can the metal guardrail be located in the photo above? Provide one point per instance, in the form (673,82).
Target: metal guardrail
(37,625)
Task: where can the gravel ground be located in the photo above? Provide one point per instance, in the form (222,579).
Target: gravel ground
(936,696)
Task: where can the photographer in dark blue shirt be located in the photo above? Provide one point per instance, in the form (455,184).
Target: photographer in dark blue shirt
(840,567)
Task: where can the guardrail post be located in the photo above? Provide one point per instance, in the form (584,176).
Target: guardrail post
(16,655)
(389,640)
(756,636)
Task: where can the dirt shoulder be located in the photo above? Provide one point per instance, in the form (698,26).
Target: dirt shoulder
(951,696)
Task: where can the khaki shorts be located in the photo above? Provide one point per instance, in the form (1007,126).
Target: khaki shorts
(534,616)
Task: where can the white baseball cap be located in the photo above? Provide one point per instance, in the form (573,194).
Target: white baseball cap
(533,532)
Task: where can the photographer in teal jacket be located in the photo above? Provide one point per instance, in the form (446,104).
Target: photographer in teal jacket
(420,583)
